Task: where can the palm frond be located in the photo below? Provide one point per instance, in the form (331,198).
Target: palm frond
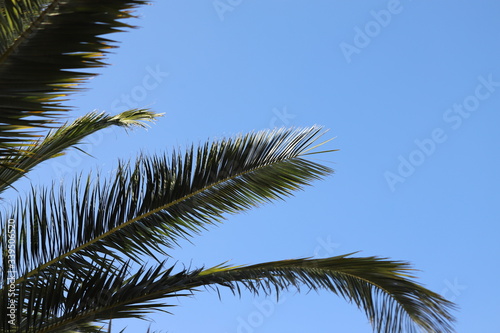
(67,136)
(382,288)
(56,302)
(46,50)
(159,200)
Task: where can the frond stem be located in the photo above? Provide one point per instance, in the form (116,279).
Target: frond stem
(125,224)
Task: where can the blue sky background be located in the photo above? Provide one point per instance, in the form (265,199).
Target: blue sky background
(416,178)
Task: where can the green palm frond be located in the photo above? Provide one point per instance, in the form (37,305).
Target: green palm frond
(46,50)
(67,136)
(151,205)
(55,302)
(384,289)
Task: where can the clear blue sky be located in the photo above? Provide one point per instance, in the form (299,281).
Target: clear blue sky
(410,90)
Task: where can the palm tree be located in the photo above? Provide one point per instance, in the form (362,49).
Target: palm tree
(73,255)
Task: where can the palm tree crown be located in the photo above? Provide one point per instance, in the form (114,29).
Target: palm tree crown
(73,255)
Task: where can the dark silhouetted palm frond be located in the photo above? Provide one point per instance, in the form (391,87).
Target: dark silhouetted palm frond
(383,289)
(46,50)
